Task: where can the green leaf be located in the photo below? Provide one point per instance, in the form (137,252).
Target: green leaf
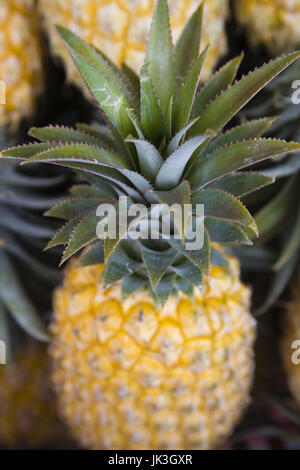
(15,300)
(221,205)
(131,284)
(279,282)
(292,245)
(182,285)
(172,169)
(187,47)
(101,133)
(187,270)
(164,289)
(107,190)
(157,263)
(91,191)
(235,157)
(224,231)
(119,266)
(151,114)
(110,244)
(200,258)
(270,217)
(217,84)
(93,172)
(71,208)
(180,195)
(287,168)
(248,131)
(62,135)
(92,257)
(168,121)
(159,56)
(241,184)
(132,78)
(84,234)
(95,59)
(175,142)
(63,235)
(218,259)
(137,180)
(80,152)
(150,159)
(26,151)
(111,100)
(185,98)
(135,121)
(224,107)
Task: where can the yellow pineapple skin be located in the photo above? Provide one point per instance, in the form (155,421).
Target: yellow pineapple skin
(20,60)
(275,23)
(27,416)
(131,376)
(292,334)
(120,28)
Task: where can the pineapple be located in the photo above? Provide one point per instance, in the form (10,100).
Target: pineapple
(279,219)
(120,28)
(274,23)
(26,277)
(20,60)
(27,416)
(292,334)
(152,339)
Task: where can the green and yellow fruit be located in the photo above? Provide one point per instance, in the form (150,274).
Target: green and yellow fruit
(132,376)
(27,416)
(20,60)
(274,23)
(152,338)
(120,28)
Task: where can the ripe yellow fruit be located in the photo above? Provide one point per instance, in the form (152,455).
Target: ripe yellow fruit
(275,23)
(130,376)
(292,334)
(20,60)
(27,414)
(120,28)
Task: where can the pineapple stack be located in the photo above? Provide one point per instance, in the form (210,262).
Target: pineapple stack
(274,23)
(20,60)
(152,340)
(120,28)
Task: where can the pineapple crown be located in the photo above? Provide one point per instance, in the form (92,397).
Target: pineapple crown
(278,220)
(22,235)
(164,144)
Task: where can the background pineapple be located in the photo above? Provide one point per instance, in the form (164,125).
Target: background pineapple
(20,60)
(120,28)
(292,334)
(26,279)
(154,345)
(275,23)
(27,415)
(279,219)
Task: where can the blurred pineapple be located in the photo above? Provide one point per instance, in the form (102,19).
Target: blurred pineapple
(120,28)
(27,415)
(289,345)
(20,60)
(275,23)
